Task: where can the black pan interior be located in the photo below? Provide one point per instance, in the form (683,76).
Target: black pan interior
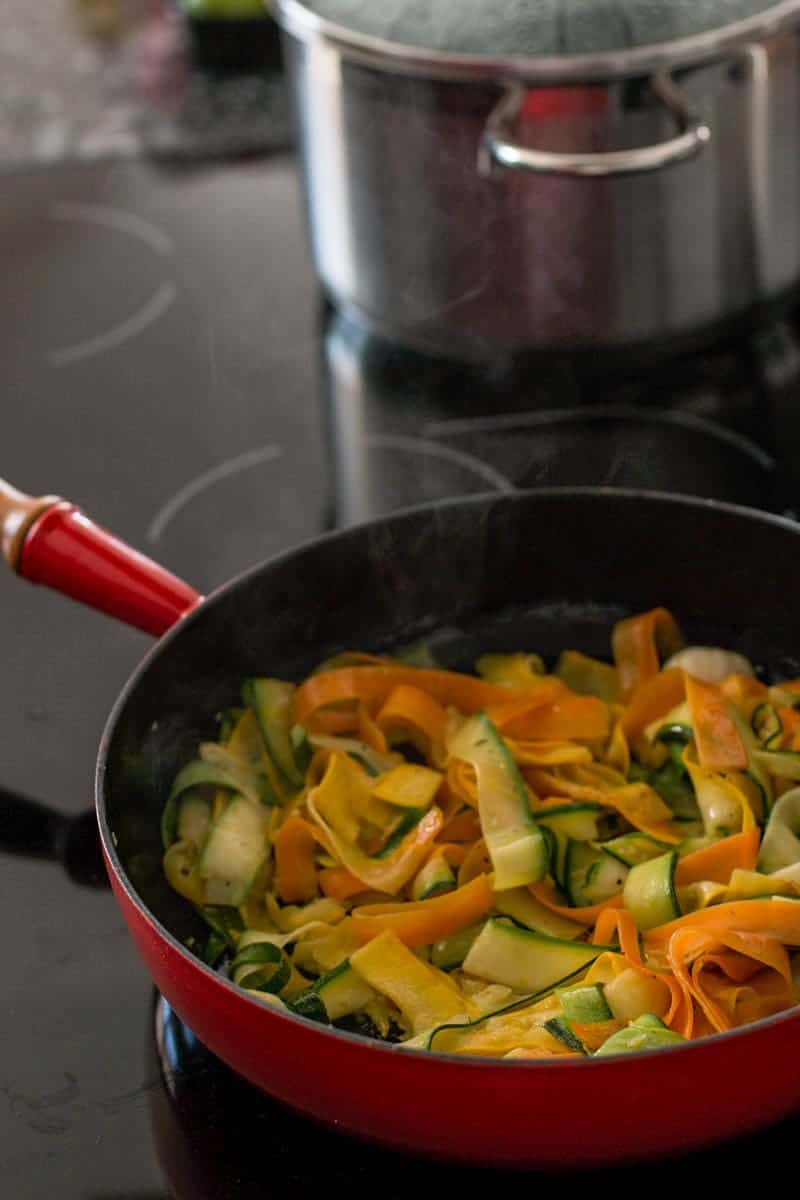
(537,571)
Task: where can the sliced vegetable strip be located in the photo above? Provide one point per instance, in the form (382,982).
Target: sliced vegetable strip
(295,861)
(777,917)
(425,996)
(339,883)
(408,786)
(417,717)
(719,746)
(637,644)
(717,862)
(587,915)
(547,753)
(651,699)
(427,921)
(391,873)
(369,731)
(790,722)
(690,952)
(375,684)
(579,718)
(588,676)
(516,845)
(617,922)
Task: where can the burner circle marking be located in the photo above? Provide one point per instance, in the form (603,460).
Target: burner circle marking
(120,221)
(224,470)
(557,416)
(392,441)
(117,219)
(149,312)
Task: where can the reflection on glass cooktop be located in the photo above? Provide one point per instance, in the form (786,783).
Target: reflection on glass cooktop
(401,426)
(218,1138)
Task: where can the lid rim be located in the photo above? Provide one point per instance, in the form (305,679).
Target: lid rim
(299,21)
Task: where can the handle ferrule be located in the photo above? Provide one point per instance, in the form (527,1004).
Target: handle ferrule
(17,513)
(51,542)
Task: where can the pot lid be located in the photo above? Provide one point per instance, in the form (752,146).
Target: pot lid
(534,27)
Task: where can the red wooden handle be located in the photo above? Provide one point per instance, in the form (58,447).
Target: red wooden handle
(50,541)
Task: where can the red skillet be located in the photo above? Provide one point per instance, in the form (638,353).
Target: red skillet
(537,570)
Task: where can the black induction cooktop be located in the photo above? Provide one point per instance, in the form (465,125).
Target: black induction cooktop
(168,364)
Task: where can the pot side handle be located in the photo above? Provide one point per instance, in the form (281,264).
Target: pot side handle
(49,541)
(693,135)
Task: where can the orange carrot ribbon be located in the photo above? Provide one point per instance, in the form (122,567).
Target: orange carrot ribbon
(719,744)
(790,721)
(741,958)
(779,918)
(295,861)
(618,922)
(426,921)
(339,884)
(374,684)
(652,699)
(638,641)
(564,717)
(545,893)
(716,863)
(463,827)
(418,717)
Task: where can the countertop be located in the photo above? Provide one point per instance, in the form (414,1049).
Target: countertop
(95,79)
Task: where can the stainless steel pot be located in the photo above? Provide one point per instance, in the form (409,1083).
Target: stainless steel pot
(474,206)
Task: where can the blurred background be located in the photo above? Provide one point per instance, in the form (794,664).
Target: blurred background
(88,79)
